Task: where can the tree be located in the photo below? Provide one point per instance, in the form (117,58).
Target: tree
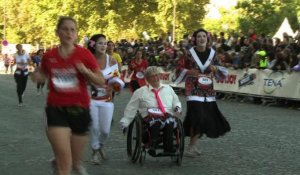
(265,16)
(227,23)
(30,21)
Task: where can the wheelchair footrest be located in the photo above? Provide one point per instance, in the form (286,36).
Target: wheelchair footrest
(164,154)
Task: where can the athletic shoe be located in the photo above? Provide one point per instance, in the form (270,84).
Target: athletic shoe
(80,171)
(192,151)
(102,153)
(54,167)
(95,159)
(198,152)
(20,104)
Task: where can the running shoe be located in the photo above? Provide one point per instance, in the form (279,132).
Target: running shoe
(192,151)
(54,167)
(80,171)
(102,154)
(95,158)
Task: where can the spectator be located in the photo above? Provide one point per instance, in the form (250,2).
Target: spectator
(111,51)
(137,66)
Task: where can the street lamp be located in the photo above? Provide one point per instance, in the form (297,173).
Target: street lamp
(174,20)
(4,19)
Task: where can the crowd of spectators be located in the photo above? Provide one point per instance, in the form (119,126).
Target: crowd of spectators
(238,52)
(235,52)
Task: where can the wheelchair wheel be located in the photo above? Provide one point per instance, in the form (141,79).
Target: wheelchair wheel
(179,142)
(134,142)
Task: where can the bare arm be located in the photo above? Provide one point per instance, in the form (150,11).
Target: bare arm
(120,66)
(38,76)
(95,77)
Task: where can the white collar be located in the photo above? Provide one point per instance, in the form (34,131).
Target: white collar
(160,86)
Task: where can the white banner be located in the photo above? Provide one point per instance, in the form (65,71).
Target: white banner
(261,83)
(255,82)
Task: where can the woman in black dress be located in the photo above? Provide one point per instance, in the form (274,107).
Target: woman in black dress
(203,115)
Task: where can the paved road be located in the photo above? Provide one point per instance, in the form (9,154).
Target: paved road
(263,141)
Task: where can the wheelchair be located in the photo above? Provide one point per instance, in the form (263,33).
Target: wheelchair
(137,144)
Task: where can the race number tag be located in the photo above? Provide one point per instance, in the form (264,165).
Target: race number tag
(18,72)
(101,92)
(139,75)
(155,112)
(204,80)
(65,83)
(65,80)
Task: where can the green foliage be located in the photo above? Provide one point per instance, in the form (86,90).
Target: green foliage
(30,21)
(265,16)
(228,23)
(190,15)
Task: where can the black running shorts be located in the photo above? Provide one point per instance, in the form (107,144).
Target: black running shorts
(74,117)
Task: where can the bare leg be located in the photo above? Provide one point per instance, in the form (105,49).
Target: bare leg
(59,138)
(78,143)
(194,138)
(192,146)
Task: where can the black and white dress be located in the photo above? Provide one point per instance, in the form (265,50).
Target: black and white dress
(203,115)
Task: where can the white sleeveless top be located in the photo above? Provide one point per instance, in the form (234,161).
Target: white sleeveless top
(99,92)
(21,60)
(106,65)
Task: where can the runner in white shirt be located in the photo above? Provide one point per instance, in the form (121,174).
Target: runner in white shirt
(102,106)
(22,60)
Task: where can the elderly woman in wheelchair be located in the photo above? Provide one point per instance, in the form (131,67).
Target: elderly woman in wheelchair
(158,107)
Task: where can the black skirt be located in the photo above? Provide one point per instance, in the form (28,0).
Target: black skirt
(205,118)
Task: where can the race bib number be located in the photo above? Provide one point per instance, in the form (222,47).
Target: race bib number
(155,112)
(65,80)
(140,75)
(101,92)
(204,80)
(21,66)
(18,72)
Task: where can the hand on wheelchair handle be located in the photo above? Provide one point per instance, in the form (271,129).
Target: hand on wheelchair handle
(124,131)
(177,109)
(123,128)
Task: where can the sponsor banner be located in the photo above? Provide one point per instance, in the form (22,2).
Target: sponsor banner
(166,77)
(253,82)
(261,83)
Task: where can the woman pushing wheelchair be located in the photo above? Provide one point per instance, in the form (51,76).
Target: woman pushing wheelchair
(157,104)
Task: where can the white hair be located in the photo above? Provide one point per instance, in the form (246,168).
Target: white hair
(152,70)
